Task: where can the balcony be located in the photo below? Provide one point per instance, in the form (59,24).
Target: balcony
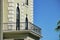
(11,28)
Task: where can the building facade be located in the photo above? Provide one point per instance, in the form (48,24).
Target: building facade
(17,20)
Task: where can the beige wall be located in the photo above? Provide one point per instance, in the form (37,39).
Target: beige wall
(23,10)
(5,11)
(10,11)
(1,12)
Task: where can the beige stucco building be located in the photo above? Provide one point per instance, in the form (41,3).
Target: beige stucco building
(16,20)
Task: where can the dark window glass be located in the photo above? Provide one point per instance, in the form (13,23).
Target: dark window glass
(26,23)
(17,17)
(26,2)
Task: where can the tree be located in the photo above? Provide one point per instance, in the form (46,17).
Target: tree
(58,28)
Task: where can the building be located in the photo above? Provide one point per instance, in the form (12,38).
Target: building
(16,20)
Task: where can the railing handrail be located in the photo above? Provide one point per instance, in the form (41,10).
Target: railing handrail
(29,23)
(35,25)
(23,22)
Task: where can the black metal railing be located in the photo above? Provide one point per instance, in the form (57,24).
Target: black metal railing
(23,26)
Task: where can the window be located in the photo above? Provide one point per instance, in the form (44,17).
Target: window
(26,23)
(17,17)
(26,2)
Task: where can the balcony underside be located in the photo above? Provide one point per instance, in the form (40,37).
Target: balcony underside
(19,34)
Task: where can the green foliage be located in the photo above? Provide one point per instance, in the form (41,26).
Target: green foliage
(58,27)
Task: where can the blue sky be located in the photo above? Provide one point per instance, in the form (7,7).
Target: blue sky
(46,15)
